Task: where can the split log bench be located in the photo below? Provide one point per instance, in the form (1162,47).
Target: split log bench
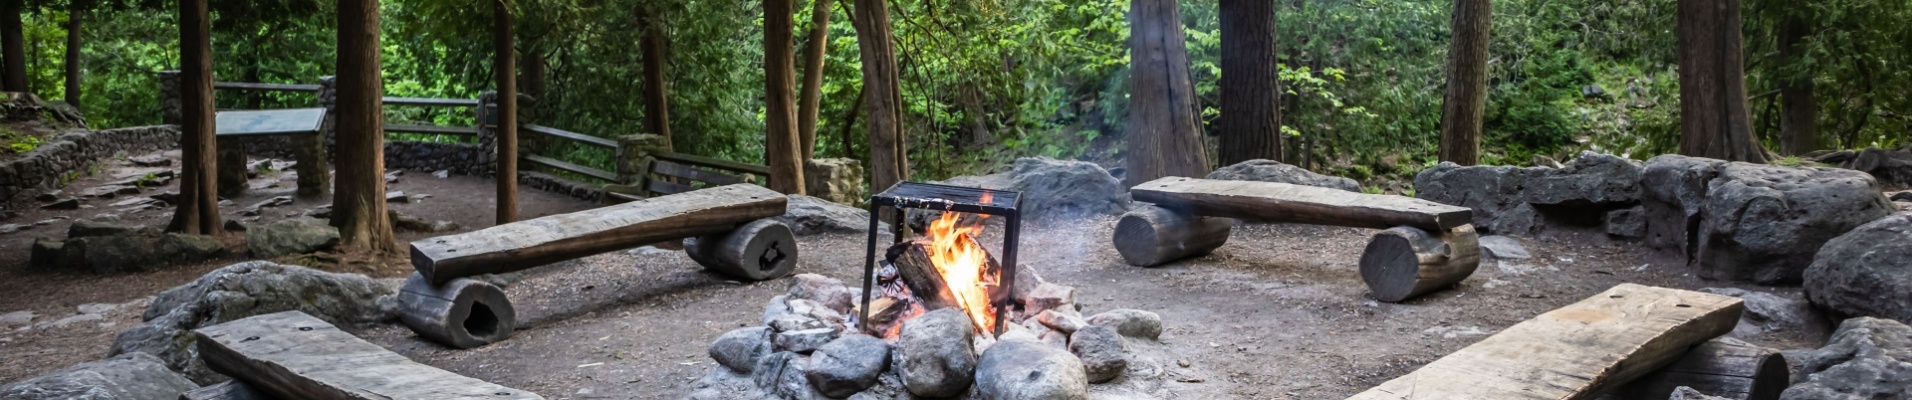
(731,226)
(291,355)
(1575,352)
(1425,245)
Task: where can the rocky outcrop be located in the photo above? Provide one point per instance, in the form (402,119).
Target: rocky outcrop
(811,215)
(1274,171)
(1593,179)
(1053,189)
(1533,200)
(1893,168)
(1769,312)
(290,236)
(1673,191)
(1492,192)
(1764,223)
(1867,358)
(136,376)
(105,247)
(1866,272)
(243,290)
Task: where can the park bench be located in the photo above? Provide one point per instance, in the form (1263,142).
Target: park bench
(292,355)
(666,173)
(1424,245)
(732,226)
(303,124)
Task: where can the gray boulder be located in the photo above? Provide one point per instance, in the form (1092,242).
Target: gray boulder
(1867,358)
(783,374)
(88,228)
(1489,191)
(1505,248)
(290,236)
(741,348)
(1866,272)
(1021,369)
(127,377)
(1673,191)
(1627,222)
(1764,223)
(810,215)
(1893,168)
(243,290)
(935,354)
(1767,312)
(1591,179)
(1053,189)
(1274,171)
(1688,393)
(127,251)
(824,290)
(1131,323)
(1102,352)
(848,365)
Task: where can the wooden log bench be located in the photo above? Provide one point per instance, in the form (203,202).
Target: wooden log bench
(308,148)
(729,228)
(1575,352)
(291,355)
(666,173)
(1424,245)
(1722,367)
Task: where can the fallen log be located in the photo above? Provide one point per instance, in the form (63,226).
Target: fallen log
(531,243)
(760,250)
(1722,367)
(295,356)
(1404,262)
(1281,202)
(463,313)
(1574,352)
(1153,235)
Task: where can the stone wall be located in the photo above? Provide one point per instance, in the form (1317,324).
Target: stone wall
(41,168)
(553,184)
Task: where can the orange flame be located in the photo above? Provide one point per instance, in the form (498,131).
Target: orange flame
(963,264)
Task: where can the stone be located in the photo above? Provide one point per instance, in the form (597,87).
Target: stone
(1764,223)
(848,365)
(47,197)
(129,252)
(1687,393)
(782,373)
(137,376)
(150,161)
(810,215)
(1275,171)
(65,204)
(1893,168)
(397,196)
(1627,222)
(935,354)
(90,228)
(1505,248)
(1590,179)
(1104,356)
(11,228)
(290,236)
(835,179)
(1066,322)
(1488,190)
(272,202)
(1131,323)
(16,318)
(741,349)
(1867,358)
(1767,312)
(795,322)
(1021,369)
(233,225)
(1866,272)
(243,290)
(441,174)
(1047,296)
(803,341)
(824,290)
(1673,191)
(777,308)
(1521,219)
(1051,189)
(49,253)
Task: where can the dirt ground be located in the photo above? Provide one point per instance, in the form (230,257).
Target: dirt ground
(1278,313)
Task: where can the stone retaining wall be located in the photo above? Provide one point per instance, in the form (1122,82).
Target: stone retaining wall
(41,169)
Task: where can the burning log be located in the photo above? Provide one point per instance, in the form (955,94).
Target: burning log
(917,270)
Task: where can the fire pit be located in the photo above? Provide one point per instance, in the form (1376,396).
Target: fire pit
(946,267)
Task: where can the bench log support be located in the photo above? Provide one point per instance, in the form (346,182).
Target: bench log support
(1722,367)
(1152,235)
(1404,262)
(463,313)
(761,250)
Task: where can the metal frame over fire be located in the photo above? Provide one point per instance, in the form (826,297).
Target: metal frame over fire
(929,196)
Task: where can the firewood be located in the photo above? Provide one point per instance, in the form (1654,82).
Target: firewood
(912,261)
(1404,262)
(1154,235)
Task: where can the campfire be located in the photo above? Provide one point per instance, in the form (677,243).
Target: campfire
(946,268)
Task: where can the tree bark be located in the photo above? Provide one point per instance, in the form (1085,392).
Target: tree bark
(198,211)
(811,99)
(358,204)
(1799,120)
(1714,119)
(13,44)
(73,47)
(1466,98)
(882,98)
(1251,100)
(505,67)
(657,108)
(784,148)
(1165,132)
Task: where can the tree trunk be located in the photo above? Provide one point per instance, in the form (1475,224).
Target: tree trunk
(1466,99)
(1165,132)
(504,68)
(198,211)
(358,204)
(784,148)
(1799,122)
(1714,119)
(531,75)
(1251,102)
(73,46)
(810,101)
(882,98)
(657,108)
(13,44)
